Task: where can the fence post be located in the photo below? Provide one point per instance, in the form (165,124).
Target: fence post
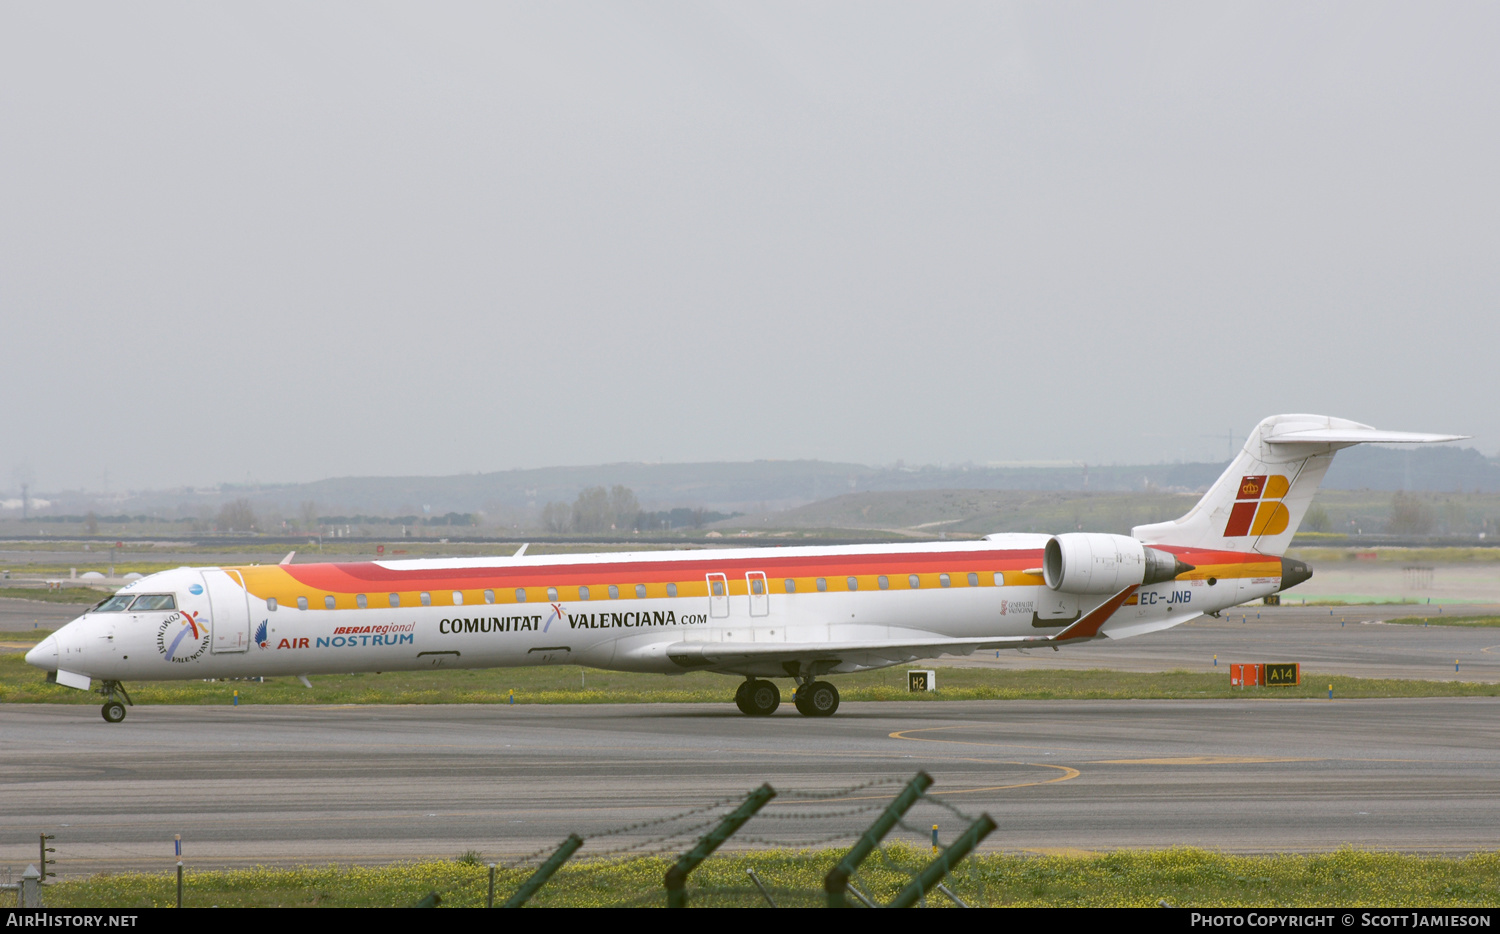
(45,850)
(676,879)
(836,883)
(489,901)
(544,871)
(934,871)
(31,888)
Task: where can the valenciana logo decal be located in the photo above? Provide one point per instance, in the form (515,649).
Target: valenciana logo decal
(1258,509)
(181,637)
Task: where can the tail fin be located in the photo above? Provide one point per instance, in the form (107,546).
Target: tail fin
(1260,500)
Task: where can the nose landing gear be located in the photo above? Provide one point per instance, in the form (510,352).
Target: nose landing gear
(113,711)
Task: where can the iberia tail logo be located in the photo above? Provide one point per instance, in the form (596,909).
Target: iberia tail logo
(1258,509)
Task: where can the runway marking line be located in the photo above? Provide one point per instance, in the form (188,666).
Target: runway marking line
(1068,772)
(902,734)
(1201,760)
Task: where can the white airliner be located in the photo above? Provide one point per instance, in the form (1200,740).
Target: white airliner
(760,613)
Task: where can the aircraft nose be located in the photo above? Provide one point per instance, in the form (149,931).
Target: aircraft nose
(44,655)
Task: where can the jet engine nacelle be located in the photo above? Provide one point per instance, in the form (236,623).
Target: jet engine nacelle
(1095,562)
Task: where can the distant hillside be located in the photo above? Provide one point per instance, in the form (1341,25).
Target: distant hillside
(931,512)
(1440,468)
(764,486)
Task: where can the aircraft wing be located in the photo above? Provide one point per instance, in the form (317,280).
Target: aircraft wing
(718,654)
(711,654)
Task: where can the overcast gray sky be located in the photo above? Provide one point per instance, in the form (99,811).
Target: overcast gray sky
(289,241)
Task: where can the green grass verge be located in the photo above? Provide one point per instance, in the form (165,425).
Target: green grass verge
(1182,877)
(20,683)
(81,595)
(1484,621)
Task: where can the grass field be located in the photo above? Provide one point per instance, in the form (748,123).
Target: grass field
(20,683)
(82,596)
(1481,621)
(1185,878)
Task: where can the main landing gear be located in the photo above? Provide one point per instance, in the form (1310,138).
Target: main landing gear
(759,698)
(816,699)
(113,711)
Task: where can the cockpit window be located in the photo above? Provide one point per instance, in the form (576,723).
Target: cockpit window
(148,602)
(115,604)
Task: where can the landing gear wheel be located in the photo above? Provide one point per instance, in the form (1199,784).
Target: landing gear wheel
(742,697)
(819,699)
(761,698)
(112,711)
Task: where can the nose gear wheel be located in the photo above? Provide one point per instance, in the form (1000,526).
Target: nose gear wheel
(113,711)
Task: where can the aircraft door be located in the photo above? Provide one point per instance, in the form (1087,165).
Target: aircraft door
(760,595)
(718,596)
(229,610)
(1054,609)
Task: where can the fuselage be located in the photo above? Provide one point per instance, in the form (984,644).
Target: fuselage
(622,611)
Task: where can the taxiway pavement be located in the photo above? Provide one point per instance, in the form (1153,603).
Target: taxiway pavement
(288,785)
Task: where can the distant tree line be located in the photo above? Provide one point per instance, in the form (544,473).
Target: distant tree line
(598,510)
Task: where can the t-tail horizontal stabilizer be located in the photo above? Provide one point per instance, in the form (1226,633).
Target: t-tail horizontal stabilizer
(1257,504)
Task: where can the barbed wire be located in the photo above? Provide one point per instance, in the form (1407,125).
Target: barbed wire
(953,809)
(668,835)
(795,793)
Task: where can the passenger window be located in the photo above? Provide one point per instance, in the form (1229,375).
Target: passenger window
(717,586)
(551,594)
(114,604)
(640,591)
(999,579)
(426,598)
(395,599)
(154,601)
(914,582)
(328,602)
(360,601)
(671,590)
(614,592)
(884,582)
(822,584)
(301,603)
(789,585)
(943,581)
(973,579)
(458,598)
(853,583)
(271,604)
(583,593)
(757,586)
(520,594)
(489,596)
